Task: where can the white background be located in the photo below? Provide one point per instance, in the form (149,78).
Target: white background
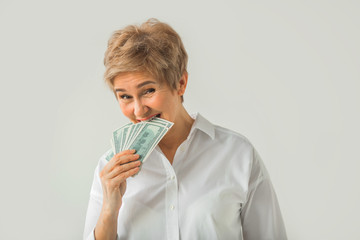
(286,74)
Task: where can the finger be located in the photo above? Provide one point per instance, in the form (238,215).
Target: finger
(117,158)
(127,158)
(123,176)
(121,169)
(114,179)
(123,188)
(125,152)
(115,183)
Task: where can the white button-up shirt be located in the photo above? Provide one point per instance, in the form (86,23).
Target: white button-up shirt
(216,188)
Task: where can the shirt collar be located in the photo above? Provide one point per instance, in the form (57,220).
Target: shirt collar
(203,125)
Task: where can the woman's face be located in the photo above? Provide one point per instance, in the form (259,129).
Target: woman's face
(142,97)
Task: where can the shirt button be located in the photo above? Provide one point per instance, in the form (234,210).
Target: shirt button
(172,177)
(172,207)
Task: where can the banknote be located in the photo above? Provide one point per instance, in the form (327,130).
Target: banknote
(146,138)
(163,122)
(109,155)
(143,137)
(133,133)
(117,138)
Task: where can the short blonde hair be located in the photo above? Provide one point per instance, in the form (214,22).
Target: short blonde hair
(153,48)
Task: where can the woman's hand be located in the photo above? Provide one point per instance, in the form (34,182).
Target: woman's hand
(113,179)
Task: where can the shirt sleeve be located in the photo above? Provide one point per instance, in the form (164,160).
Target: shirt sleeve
(261,217)
(94,206)
(96,199)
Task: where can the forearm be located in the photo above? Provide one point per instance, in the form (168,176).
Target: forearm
(106,226)
(113,181)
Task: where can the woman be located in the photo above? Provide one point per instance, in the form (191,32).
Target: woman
(201,181)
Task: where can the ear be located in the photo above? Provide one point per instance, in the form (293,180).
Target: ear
(182,84)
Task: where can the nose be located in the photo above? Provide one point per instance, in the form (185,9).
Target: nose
(140,109)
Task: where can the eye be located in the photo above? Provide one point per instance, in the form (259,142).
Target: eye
(124,97)
(150,90)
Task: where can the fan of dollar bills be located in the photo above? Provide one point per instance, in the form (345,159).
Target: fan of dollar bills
(142,136)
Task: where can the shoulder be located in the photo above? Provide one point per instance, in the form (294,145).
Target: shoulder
(226,135)
(243,149)
(221,138)
(218,133)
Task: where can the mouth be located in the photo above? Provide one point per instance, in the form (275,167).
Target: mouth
(148,118)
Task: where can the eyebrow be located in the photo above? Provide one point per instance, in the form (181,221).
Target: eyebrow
(138,86)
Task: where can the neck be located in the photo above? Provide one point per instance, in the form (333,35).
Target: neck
(177,134)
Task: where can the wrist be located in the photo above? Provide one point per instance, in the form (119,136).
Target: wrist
(110,213)
(106,225)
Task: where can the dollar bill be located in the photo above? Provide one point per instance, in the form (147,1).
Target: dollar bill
(109,156)
(143,136)
(146,138)
(133,133)
(163,122)
(117,137)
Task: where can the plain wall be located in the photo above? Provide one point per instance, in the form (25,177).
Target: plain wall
(286,74)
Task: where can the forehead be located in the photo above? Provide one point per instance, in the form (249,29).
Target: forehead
(133,79)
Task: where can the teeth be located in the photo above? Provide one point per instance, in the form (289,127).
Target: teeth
(149,119)
(155,116)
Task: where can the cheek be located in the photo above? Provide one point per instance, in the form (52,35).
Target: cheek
(151,101)
(126,109)
(160,102)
